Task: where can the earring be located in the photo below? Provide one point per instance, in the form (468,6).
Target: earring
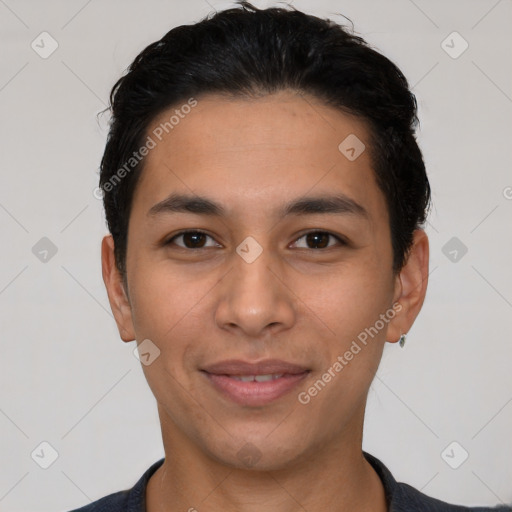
(401,340)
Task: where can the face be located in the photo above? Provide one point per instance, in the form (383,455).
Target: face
(277,251)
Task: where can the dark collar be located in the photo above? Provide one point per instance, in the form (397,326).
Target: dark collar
(137,497)
(400,497)
(389,482)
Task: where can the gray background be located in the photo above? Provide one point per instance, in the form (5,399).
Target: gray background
(66,377)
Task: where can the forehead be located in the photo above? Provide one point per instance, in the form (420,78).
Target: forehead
(264,151)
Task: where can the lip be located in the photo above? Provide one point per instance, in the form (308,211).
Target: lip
(221,374)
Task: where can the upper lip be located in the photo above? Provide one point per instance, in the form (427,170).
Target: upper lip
(266,367)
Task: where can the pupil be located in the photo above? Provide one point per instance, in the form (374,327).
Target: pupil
(194,237)
(313,237)
(318,239)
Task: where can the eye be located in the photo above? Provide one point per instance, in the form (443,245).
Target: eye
(195,239)
(320,239)
(191,239)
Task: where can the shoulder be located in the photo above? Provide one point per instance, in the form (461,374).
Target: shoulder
(116,502)
(130,500)
(408,498)
(402,497)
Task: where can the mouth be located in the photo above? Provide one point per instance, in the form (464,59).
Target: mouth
(254,384)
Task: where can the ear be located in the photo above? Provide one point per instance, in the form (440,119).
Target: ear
(117,296)
(411,287)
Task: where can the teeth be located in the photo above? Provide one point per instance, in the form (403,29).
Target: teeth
(257,378)
(248,378)
(265,378)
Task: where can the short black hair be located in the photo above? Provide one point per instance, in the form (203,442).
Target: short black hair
(249,52)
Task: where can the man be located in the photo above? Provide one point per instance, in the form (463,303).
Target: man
(265,196)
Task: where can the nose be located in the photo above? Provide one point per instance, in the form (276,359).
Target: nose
(254,298)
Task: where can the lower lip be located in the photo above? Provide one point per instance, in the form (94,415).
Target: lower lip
(255,393)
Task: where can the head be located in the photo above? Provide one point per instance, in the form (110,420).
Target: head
(293,142)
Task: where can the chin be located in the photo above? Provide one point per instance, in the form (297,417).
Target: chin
(257,453)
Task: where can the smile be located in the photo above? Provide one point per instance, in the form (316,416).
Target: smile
(257,378)
(254,384)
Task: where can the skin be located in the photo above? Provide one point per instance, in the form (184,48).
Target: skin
(295,302)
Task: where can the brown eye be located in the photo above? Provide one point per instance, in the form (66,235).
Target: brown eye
(190,240)
(319,240)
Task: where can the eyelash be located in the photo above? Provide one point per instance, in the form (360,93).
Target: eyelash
(341,241)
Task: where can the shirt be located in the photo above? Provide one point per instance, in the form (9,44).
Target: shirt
(400,497)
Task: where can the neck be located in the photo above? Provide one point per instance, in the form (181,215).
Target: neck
(336,477)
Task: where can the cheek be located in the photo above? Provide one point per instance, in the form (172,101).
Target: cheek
(172,309)
(352,350)
(163,301)
(350,304)
(348,299)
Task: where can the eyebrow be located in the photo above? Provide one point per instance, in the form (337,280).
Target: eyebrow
(184,203)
